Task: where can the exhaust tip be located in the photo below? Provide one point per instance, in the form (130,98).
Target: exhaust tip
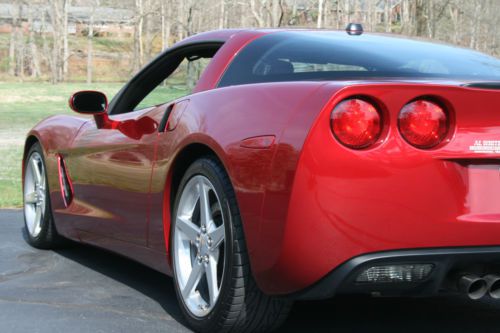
(493,282)
(473,286)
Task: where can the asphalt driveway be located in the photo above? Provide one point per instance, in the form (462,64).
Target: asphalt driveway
(82,289)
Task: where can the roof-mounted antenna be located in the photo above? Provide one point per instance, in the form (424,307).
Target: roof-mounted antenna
(354,29)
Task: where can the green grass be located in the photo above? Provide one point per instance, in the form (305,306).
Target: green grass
(22,105)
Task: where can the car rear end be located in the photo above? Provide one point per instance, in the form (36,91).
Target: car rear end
(397,191)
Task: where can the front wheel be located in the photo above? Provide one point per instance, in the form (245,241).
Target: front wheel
(39,224)
(212,276)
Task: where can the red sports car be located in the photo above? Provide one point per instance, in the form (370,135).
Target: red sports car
(300,165)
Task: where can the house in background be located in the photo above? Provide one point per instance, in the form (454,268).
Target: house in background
(107,21)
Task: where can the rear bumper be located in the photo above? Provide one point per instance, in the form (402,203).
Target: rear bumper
(449,263)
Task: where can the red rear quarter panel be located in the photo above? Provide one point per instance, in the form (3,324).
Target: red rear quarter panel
(391,196)
(221,119)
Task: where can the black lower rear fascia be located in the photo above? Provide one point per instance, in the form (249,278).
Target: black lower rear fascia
(449,264)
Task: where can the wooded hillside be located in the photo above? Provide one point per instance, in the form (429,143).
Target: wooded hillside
(107,40)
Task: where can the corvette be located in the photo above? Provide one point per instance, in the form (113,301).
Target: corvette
(301,164)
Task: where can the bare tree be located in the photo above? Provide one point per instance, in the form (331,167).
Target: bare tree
(45,46)
(90,40)
(60,49)
(180,19)
(65,55)
(49,59)
(321,6)
(148,29)
(34,60)
(387,16)
(475,23)
(257,11)
(347,12)
(222,13)
(138,26)
(166,16)
(276,13)
(14,35)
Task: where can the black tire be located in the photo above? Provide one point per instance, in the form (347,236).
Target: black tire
(48,238)
(241,306)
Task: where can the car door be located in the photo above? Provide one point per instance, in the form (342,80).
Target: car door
(110,167)
(110,172)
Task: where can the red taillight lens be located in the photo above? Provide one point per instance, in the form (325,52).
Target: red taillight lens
(356,123)
(423,124)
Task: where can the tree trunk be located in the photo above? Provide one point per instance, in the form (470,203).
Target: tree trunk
(56,16)
(357,12)
(327,17)
(65,55)
(372,16)
(180,20)
(34,59)
(387,16)
(13,37)
(431,24)
(222,13)
(20,56)
(189,20)
(338,17)
(90,38)
(347,13)
(321,5)
(420,17)
(45,46)
(166,14)
(257,13)
(276,13)
(138,45)
(475,24)
(148,40)
(454,13)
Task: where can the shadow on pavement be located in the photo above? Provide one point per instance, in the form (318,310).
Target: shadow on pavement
(394,315)
(342,314)
(149,282)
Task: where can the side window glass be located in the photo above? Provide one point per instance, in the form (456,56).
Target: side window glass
(180,83)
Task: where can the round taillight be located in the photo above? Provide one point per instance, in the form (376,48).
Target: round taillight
(356,123)
(423,124)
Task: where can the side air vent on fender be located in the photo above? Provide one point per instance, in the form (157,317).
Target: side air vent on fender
(65,182)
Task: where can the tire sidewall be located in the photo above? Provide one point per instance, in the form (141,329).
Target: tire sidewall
(205,168)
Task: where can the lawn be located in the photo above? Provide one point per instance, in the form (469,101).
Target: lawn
(22,105)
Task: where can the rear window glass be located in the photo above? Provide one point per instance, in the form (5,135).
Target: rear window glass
(301,56)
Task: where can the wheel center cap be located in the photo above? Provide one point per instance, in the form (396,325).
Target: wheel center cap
(204,244)
(39,196)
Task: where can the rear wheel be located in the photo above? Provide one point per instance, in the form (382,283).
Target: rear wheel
(39,224)
(212,276)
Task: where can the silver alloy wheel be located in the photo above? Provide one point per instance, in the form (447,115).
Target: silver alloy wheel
(198,246)
(35,184)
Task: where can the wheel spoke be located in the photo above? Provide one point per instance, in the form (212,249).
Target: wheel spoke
(205,214)
(30,198)
(211,274)
(38,219)
(193,280)
(187,227)
(217,236)
(42,178)
(36,171)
